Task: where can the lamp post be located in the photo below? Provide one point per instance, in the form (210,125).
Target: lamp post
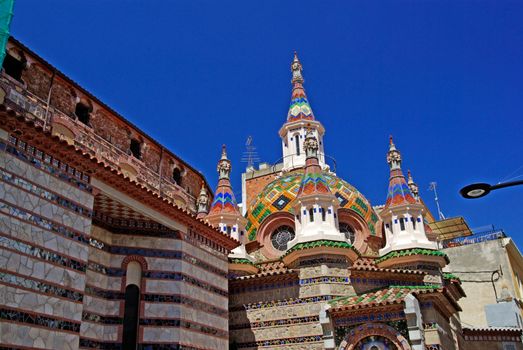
(482,189)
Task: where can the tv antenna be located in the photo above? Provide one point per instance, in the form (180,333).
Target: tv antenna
(250,156)
(432,187)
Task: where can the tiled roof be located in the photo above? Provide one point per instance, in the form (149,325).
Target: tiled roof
(275,268)
(398,192)
(320,243)
(241,261)
(368,264)
(415,251)
(450,276)
(382,297)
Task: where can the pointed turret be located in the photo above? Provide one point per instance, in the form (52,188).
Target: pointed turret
(399,192)
(300,118)
(414,189)
(224,212)
(300,108)
(224,200)
(202,202)
(315,205)
(403,220)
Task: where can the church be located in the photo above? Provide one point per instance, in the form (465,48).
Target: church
(111,241)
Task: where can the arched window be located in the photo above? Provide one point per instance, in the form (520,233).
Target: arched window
(348,232)
(323,214)
(311,215)
(177,176)
(297,140)
(136,148)
(281,236)
(130,317)
(83,112)
(13,66)
(413,222)
(402,224)
(228,230)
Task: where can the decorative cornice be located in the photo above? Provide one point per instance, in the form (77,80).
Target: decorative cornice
(10,120)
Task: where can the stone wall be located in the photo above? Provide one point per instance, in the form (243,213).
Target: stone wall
(44,233)
(286,318)
(486,257)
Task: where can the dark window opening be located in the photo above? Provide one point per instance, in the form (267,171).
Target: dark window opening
(177,176)
(297,145)
(348,232)
(311,215)
(83,112)
(323,214)
(413,223)
(402,224)
(136,148)
(14,67)
(130,317)
(228,230)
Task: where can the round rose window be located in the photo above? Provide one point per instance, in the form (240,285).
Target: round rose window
(281,236)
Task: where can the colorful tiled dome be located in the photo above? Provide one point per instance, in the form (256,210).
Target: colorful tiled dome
(277,196)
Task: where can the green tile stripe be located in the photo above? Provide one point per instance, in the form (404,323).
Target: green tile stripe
(321,243)
(415,251)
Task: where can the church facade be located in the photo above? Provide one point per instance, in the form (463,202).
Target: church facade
(110,241)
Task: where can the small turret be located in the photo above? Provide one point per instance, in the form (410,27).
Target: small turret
(224,212)
(315,205)
(402,214)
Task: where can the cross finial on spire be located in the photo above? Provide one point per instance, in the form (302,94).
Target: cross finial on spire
(296,69)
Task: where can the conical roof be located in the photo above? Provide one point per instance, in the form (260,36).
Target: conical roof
(399,192)
(299,108)
(224,200)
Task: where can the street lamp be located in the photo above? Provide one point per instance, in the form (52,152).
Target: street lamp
(482,189)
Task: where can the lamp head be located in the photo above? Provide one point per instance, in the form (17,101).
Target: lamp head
(475,190)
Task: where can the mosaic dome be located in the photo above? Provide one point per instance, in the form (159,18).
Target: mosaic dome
(278,195)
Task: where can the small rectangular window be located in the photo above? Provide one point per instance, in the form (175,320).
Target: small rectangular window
(413,224)
(323,214)
(135,148)
(402,224)
(311,215)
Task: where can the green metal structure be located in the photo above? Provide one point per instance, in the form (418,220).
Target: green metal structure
(6,14)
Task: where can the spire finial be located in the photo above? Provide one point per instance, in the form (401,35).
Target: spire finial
(412,186)
(224,165)
(393,156)
(296,69)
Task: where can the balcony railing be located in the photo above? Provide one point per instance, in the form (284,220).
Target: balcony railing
(474,239)
(21,100)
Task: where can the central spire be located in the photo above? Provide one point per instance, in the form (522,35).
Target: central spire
(300,123)
(299,108)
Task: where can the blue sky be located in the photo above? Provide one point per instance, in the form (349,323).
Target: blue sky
(444,77)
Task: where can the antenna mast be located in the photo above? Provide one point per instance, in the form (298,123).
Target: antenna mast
(432,187)
(250,155)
